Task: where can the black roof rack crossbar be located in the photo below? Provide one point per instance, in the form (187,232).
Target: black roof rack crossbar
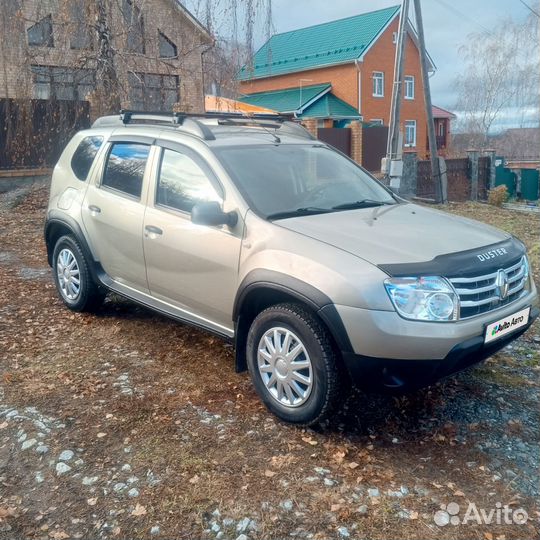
(192,122)
(177,118)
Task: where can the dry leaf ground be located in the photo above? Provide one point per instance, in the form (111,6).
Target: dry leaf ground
(168,442)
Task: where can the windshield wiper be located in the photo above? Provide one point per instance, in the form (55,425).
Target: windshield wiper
(307,211)
(364,203)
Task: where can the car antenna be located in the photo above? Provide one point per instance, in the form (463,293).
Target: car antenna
(277,140)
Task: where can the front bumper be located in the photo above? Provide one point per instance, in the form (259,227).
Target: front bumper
(391,353)
(398,375)
(384,334)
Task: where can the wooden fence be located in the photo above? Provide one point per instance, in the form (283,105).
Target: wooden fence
(33,132)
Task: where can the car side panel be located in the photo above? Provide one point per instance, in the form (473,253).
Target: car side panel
(115,231)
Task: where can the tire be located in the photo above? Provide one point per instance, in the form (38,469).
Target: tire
(72,278)
(304,355)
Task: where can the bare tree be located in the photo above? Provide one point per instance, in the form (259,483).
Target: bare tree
(235,26)
(501,80)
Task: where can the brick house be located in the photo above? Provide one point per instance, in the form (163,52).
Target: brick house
(355,58)
(443,119)
(52,52)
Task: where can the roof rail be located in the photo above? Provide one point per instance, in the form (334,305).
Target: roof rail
(157,117)
(192,123)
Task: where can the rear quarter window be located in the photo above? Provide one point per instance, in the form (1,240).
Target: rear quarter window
(84,156)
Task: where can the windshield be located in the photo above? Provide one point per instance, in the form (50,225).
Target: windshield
(285,180)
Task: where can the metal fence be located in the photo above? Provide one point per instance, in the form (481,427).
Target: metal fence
(34,132)
(459,179)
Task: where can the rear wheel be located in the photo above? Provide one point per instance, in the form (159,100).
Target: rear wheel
(293,364)
(72,277)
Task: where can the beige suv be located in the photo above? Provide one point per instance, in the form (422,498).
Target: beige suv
(253,230)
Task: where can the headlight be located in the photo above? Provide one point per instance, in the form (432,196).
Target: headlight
(424,298)
(526,271)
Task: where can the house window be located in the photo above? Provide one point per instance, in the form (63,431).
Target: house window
(378,84)
(167,49)
(41,33)
(394,37)
(135,27)
(410,133)
(377,121)
(409,87)
(441,129)
(150,92)
(81,36)
(62,83)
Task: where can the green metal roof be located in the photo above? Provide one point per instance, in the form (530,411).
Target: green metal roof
(330,106)
(324,44)
(288,100)
(307,102)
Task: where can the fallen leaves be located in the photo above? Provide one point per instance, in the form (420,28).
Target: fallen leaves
(139,510)
(7,512)
(310,441)
(58,535)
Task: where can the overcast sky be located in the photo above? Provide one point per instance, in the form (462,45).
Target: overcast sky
(447,23)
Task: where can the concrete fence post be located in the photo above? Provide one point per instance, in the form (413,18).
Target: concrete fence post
(474,155)
(407,188)
(491,154)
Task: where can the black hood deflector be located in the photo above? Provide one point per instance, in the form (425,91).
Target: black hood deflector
(463,263)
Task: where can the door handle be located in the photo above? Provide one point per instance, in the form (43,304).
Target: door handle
(152,230)
(94,209)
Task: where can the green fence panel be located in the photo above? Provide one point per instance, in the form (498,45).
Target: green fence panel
(505,177)
(529,184)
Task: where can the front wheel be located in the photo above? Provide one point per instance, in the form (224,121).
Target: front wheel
(72,277)
(293,364)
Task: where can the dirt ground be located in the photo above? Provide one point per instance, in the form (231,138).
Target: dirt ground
(125,424)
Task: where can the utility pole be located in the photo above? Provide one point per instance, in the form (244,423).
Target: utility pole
(440,192)
(393,150)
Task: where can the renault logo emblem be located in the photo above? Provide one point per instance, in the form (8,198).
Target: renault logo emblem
(501,281)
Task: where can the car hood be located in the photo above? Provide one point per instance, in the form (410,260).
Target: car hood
(401,233)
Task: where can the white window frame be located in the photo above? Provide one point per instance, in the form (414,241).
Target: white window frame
(378,76)
(409,83)
(441,129)
(408,143)
(378,121)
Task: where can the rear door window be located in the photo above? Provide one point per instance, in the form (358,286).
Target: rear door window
(84,156)
(124,169)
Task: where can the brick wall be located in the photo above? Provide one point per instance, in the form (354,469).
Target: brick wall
(16,56)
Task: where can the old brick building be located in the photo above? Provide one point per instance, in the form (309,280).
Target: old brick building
(51,49)
(355,57)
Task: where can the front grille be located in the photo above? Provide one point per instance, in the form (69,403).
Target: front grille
(480,294)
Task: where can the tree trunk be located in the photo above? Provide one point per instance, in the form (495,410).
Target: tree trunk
(107,83)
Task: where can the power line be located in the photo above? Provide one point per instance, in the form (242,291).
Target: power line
(456,11)
(530,8)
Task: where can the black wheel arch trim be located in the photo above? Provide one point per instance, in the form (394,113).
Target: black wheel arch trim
(305,293)
(56,217)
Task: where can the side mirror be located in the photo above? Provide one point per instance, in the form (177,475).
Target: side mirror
(211,214)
